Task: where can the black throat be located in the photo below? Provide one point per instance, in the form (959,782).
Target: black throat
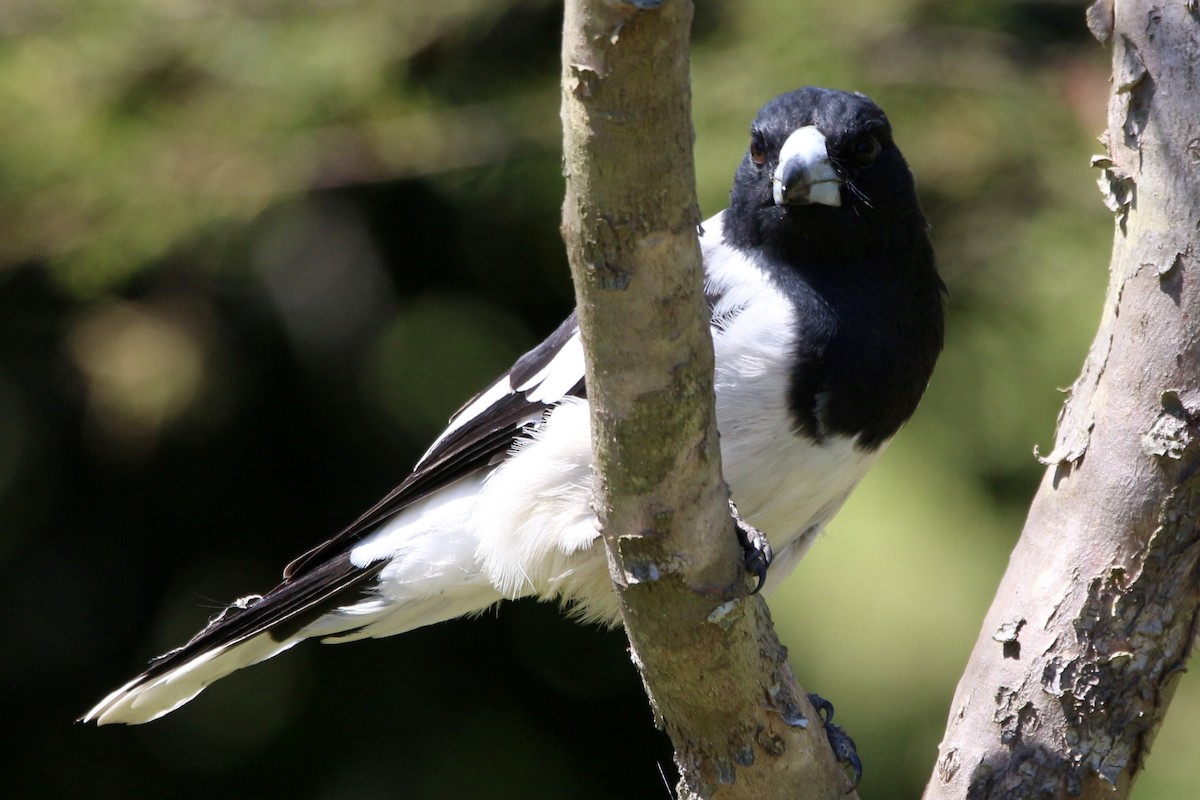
(869,319)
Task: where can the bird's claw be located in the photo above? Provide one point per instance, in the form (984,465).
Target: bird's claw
(839,740)
(756,550)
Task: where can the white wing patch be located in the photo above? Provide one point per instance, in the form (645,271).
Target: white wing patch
(552,382)
(545,387)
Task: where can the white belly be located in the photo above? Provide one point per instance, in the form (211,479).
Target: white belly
(783,483)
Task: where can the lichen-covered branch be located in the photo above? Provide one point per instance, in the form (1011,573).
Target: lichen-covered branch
(1095,617)
(717,677)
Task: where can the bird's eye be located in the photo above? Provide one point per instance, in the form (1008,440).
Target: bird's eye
(865,151)
(758,149)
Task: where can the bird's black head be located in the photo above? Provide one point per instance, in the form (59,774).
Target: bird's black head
(821,174)
(825,204)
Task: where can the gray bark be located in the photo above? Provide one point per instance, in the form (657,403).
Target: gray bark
(716,675)
(1095,618)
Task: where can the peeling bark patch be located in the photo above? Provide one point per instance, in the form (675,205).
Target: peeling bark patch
(1172,432)
(1008,635)
(771,743)
(788,710)
(948,765)
(1170,278)
(718,615)
(1132,68)
(585,80)
(1135,87)
(712,770)
(1030,774)
(646,572)
(1015,719)
(1098,741)
(1134,633)
(1100,20)
(1117,188)
(642,557)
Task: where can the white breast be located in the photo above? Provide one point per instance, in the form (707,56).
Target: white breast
(783,483)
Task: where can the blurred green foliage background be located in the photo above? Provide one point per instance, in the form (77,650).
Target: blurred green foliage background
(253,254)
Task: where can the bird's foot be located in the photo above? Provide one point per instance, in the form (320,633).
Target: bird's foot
(839,740)
(756,550)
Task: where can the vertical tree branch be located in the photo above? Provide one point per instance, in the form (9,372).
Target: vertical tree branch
(716,675)
(1096,615)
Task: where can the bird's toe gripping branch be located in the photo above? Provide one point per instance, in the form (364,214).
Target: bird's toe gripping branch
(843,746)
(756,550)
